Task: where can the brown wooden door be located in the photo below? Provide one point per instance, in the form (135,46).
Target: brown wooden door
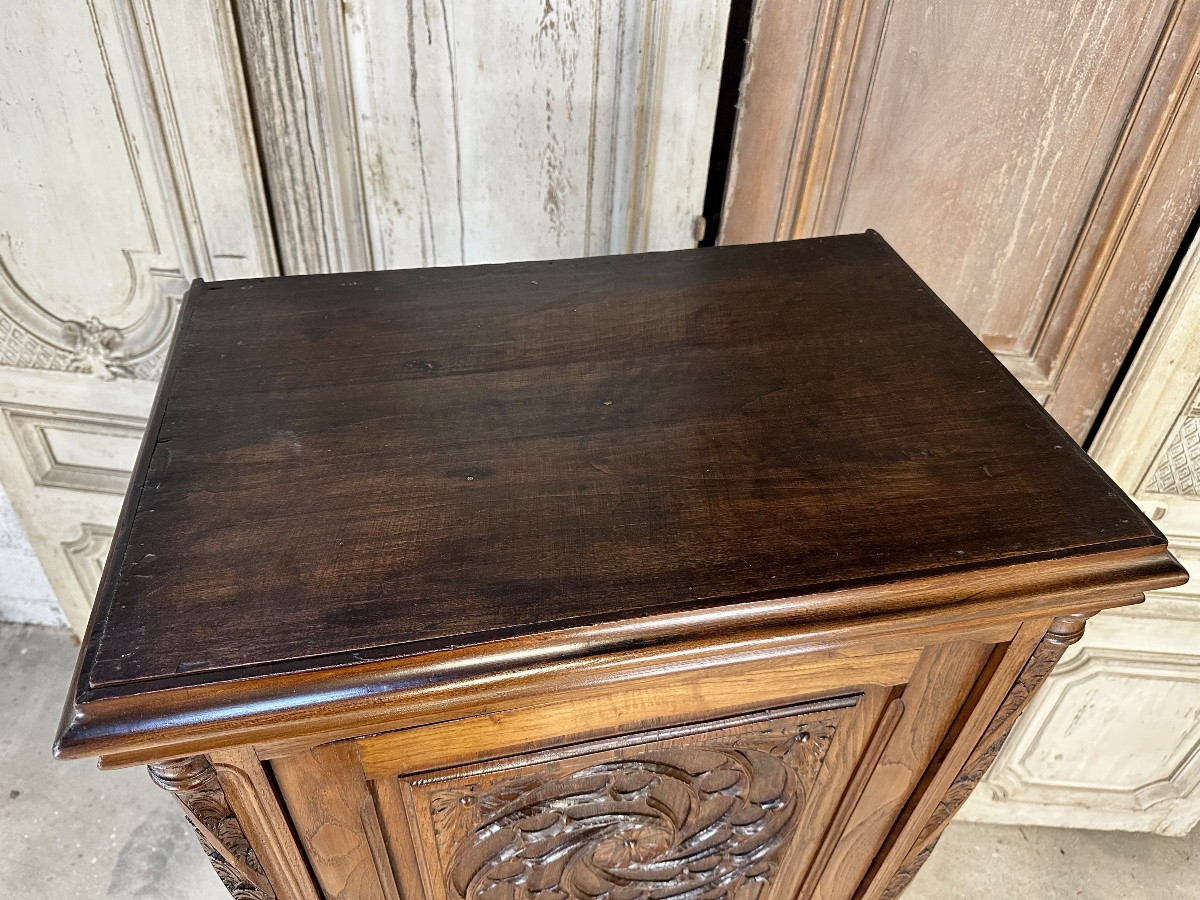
(1035,162)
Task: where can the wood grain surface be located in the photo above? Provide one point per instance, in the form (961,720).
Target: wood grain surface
(939,686)
(399,461)
(335,818)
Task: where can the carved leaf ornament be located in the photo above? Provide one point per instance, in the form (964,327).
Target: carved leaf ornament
(668,823)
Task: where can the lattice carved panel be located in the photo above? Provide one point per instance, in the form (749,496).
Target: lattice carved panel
(1177,470)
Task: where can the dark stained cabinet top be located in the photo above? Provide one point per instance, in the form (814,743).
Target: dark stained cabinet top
(366,466)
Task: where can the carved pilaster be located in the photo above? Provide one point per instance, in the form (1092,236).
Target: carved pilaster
(194,783)
(1064,631)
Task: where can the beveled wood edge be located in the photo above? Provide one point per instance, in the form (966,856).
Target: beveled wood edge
(368,697)
(817,602)
(129,505)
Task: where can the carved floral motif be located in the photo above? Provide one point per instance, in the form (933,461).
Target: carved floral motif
(701,821)
(94,349)
(196,785)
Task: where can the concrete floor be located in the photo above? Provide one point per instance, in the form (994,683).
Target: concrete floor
(68,830)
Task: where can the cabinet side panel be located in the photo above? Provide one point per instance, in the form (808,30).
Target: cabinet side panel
(940,685)
(334,816)
(1035,671)
(252,798)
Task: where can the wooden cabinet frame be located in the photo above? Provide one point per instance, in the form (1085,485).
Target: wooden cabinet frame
(924,713)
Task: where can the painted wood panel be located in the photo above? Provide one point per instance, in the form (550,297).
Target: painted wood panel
(1114,740)
(441,134)
(1033,161)
(25,594)
(130,168)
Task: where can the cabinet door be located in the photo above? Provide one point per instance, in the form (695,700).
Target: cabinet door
(667,787)
(751,805)
(1033,161)
(731,809)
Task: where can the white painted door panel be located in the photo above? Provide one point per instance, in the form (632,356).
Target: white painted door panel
(25,594)
(393,134)
(1113,740)
(483,132)
(130,168)
(67,445)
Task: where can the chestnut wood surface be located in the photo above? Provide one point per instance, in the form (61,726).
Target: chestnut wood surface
(367,485)
(384,462)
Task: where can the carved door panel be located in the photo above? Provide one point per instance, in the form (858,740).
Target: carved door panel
(1033,161)
(735,809)
(1113,741)
(130,168)
(398,135)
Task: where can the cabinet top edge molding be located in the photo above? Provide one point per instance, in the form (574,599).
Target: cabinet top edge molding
(343,469)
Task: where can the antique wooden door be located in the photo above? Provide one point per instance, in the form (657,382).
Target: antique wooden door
(129,169)
(1034,161)
(412,134)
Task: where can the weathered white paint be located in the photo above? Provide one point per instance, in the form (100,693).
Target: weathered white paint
(129,168)
(69,505)
(1113,741)
(453,133)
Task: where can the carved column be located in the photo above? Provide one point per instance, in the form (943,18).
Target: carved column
(194,783)
(1064,631)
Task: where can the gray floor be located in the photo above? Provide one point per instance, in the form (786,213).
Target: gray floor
(68,830)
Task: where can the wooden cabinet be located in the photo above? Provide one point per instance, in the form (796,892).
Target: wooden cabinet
(717,573)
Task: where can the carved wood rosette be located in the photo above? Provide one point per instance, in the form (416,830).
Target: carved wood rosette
(1064,631)
(195,784)
(705,818)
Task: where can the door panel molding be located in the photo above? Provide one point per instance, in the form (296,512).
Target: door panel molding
(68,506)
(297,65)
(440,135)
